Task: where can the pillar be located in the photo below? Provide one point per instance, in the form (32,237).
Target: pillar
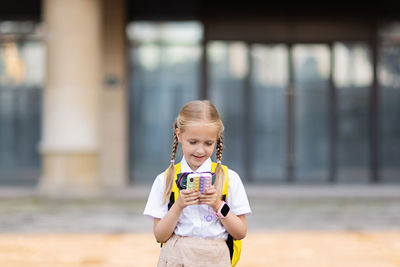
(71,96)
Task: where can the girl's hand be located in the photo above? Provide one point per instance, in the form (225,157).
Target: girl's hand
(187,197)
(210,197)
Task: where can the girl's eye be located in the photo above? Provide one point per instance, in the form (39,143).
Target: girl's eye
(209,144)
(192,142)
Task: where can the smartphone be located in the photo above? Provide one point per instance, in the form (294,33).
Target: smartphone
(199,181)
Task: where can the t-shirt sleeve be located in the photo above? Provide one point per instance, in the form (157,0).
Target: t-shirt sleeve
(237,197)
(154,206)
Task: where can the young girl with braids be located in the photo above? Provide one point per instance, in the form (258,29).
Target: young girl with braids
(195,227)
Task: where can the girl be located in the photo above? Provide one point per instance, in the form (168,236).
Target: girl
(195,227)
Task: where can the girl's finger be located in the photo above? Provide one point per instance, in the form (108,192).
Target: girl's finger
(194,196)
(210,191)
(187,191)
(203,197)
(192,200)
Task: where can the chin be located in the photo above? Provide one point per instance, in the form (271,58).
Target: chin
(197,163)
(200,161)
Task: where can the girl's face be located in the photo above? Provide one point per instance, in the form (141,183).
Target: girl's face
(198,143)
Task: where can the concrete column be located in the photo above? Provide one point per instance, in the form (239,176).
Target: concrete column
(70,126)
(114,98)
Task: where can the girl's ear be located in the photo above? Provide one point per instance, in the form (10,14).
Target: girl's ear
(178,134)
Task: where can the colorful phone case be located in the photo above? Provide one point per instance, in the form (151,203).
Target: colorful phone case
(205,182)
(199,181)
(191,181)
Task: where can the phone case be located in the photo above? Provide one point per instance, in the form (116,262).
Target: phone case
(199,181)
(205,182)
(191,181)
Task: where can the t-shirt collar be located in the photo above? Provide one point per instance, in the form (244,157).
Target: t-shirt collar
(205,167)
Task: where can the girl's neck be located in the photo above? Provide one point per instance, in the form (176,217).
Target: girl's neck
(192,168)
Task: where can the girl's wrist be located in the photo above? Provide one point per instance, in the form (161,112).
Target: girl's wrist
(219,203)
(178,206)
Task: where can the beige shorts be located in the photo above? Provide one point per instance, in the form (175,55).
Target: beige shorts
(185,251)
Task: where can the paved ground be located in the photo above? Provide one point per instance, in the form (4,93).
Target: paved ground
(260,249)
(290,226)
(274,208)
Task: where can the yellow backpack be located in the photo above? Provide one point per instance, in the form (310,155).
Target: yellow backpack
(235,246)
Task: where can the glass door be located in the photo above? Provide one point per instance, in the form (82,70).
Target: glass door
(274,101)
(269,80)
(353,81)
(311,74)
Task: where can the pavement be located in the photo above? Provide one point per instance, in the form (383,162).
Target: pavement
(290,225)
(279,207)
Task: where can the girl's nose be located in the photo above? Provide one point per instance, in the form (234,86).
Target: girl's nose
(200,149)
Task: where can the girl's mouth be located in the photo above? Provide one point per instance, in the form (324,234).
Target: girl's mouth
(198,157)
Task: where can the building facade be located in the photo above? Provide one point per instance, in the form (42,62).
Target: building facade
(89,90)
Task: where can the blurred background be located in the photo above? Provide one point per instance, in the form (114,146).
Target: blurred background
(89,89)
(309,95)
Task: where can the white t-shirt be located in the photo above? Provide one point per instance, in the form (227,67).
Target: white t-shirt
(198,220)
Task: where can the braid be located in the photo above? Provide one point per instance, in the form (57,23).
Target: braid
(171,169)
(219,172)
(174,147)
(220,147)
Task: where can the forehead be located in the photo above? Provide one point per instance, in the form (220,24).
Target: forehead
(200,131)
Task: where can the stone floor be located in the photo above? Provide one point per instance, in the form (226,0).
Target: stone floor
(274,208)
(260,249)
(346,226)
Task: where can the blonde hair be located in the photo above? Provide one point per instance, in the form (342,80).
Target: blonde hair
(202,111)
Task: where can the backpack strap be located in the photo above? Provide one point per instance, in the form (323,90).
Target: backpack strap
(175,190)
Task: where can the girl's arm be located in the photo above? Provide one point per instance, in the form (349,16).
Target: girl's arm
(163,228)
(235,225)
